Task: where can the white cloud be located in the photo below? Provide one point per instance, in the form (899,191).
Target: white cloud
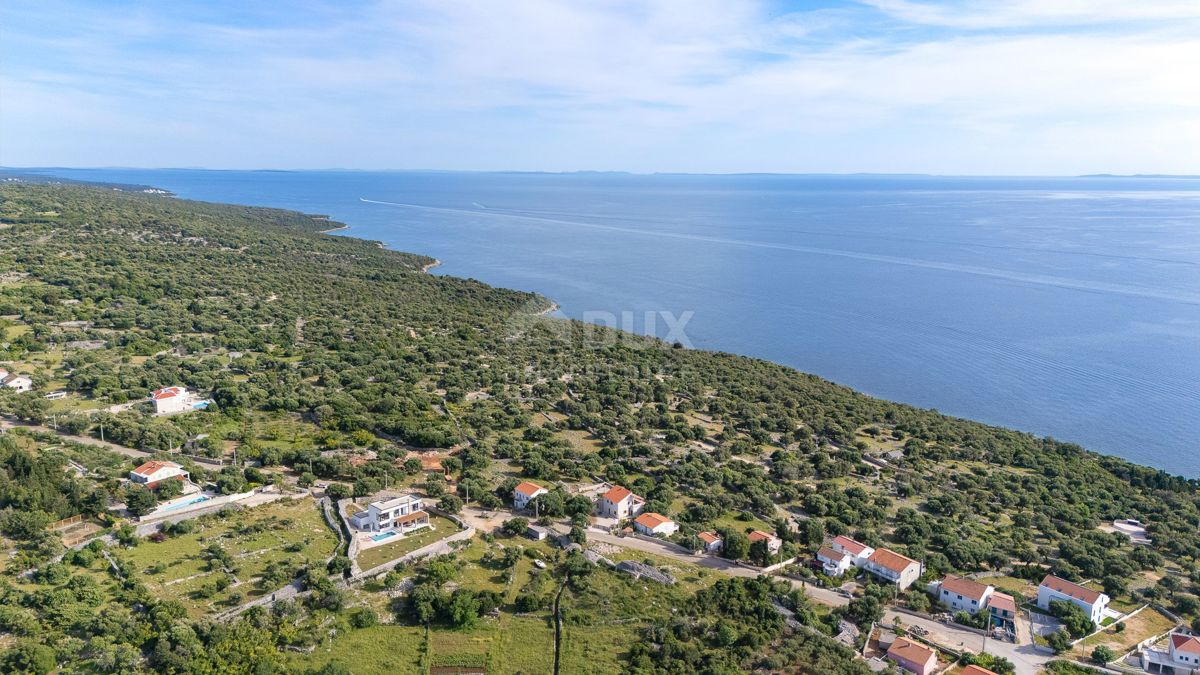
(541,84)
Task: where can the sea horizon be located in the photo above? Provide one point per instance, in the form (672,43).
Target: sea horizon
(871,265)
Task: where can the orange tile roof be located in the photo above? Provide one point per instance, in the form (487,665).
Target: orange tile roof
(910,651)
(759,535)
(976,670)
(1003,602)
(650,520)
(891,560)
(165,392)
(1071,589)
(154,466)
(849,544)
(965,587)
(831,554)
(616,493)
(1185,643)
(529,489)
(708,537)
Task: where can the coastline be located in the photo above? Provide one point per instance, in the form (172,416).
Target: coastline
(334,229)
(428,266)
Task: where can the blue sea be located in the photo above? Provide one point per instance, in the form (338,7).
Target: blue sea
(1067,307)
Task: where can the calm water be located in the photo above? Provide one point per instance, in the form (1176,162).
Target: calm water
(1067,307)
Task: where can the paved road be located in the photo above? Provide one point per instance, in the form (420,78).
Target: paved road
(10,423)
(1026,659)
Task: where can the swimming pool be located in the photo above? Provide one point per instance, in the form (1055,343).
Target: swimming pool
(197,500)
(382,535)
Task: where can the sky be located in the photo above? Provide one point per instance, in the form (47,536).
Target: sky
(1013,87)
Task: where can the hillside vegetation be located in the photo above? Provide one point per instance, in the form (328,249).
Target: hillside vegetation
(318,349)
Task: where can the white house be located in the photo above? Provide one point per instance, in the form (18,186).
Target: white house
(17,382)
(893,568)
(526,492)
(172,400)
(1093,603)
(1181,657)
(710,542)
(154,472)
(834,563)
(963,595)
(857,551)
(403,513)
(773,543)
(652,524)
(619,503)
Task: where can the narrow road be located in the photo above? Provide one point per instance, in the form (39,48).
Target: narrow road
(7,422)
(1026,659)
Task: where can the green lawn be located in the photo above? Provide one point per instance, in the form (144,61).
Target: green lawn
(377,650)
(373,557)
(255,538)
(1146,624)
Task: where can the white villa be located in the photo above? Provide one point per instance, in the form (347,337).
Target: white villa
(619,503)
(857,551)
(834,563)
(525,493)
(652,524)
(154,472)
(893,567)
(403,513)
(1182,656)
(963,595)
(14,381)
(170,400)
(1092,602)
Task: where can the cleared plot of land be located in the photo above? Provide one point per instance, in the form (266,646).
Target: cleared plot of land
(1144,625)
(440,528)
(581,441)
(369,651)
(598,649)
(283,536)
(1014,586)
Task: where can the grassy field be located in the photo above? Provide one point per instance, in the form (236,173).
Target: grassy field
(377,650)
(1014,586)
(1143,626)
(441,528)
(287,532)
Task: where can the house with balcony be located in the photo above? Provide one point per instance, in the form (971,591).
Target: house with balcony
(404,514)
(894,568)
(620,503)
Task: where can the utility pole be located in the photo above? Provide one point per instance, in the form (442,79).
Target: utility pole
(101,431)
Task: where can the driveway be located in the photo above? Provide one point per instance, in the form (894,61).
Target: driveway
(1026,659)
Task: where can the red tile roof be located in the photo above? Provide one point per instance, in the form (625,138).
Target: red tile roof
(831,554)
(759,535)
(964,587)
(1003,602)
(650,520)
(709,537)
(1185,643)
(616,493)
(165,392)
(154,466)
(1071,589)
(891,560)
(976,670)
(910,651)
(849,544)
(529,489)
